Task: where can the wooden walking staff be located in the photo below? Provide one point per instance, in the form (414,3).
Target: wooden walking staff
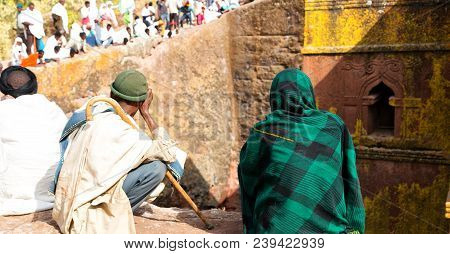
(169,175)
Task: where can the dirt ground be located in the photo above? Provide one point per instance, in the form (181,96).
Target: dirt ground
(151,220)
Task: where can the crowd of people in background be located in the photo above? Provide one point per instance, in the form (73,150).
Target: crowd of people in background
(99,26)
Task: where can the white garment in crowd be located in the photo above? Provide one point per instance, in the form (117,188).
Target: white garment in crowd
(153,32)
(29,152)
(111,14)
(173,6)
(20,18)
(211,15)
(84,12)
(102,10)
(106,34)
(18,52)
(60,10)
(49,50)
(75,31)
(198,7)
(75,41)
(234,4)
(127,6)
(34,17)
(119,36)
(139,29)
(107,13)
(97,30)
(147,11)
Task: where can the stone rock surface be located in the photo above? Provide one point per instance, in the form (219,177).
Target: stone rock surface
(152,220)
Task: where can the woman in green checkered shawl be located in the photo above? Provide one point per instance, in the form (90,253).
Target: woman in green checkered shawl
(297,170)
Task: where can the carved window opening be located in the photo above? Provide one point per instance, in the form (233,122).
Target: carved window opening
(381,114)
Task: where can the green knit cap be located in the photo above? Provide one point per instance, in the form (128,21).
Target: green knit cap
(130,85)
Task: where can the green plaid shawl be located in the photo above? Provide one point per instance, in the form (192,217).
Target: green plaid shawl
(297,170)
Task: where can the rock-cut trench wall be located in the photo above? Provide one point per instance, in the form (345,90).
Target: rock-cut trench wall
(210,83)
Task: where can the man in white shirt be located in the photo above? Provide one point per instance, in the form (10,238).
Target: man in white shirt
(85,13)
(107,35)
(93,12)
(57,41)
(77,40)
(173,6)
(60,17)
(147,13)
(19,24)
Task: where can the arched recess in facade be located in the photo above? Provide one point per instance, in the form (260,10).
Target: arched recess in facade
(380,74)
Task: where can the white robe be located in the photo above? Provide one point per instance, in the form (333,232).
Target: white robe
(102,10)
(211,15)
(120,35)
(18,53)
(49,50)
(30,129)
(126,6)
(139,29)
(75,39)
(84,12)
(93,12)
(75,32)
(60,10)
(110,13)
(36,22)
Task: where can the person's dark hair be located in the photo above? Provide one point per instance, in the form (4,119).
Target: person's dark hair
(147,31)
(17,81)
(82,34)
(125,41)
(136,17)
(57,49)
(30,4)
(150,4)
(116,98)
(58,34)
(108,26)
(41,52)
(87,2)
(73,52)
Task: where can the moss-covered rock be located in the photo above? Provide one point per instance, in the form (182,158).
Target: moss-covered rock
(409,208)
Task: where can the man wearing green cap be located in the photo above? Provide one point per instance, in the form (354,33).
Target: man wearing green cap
(109,167)
(19,27)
